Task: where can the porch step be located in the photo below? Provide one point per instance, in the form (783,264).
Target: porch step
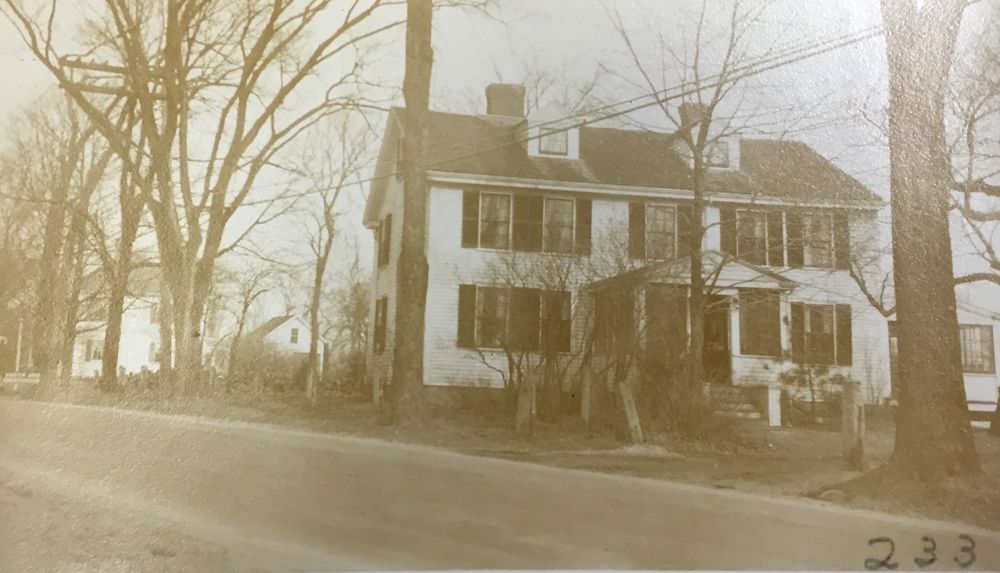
(733,402)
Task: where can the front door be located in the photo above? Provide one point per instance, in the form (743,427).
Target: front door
(715,354)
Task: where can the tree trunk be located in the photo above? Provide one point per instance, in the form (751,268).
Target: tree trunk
(166,366)
(113,333)
(694,367)
(406,391)
(75,261)
(933,433)
(312,369)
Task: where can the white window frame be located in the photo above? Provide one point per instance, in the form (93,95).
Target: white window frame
(807,239)
(544,134)
(510,220)
(545,226)
(506,315)
(673,208)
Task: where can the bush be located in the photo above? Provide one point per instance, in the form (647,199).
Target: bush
(348,374)
(260,365)
(811,396)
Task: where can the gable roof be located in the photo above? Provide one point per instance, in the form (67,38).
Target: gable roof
(492,146)
(269,326)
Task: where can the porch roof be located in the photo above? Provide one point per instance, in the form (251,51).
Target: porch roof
(731,272)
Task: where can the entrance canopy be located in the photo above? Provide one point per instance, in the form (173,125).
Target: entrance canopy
(719,269)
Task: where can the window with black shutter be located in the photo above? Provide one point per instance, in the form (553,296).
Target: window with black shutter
(583,226)
(751,237)
(528,219)
(492,309)
(470,219)
(760,322)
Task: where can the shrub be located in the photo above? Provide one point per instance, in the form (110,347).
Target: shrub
(261,366)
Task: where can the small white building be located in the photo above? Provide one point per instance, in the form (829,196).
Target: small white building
(290,334)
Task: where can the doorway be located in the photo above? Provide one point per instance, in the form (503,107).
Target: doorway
(716,357)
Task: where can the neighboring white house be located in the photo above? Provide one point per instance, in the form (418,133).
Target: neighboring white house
(977,330)
(289,334)
(140,339)
(611,207)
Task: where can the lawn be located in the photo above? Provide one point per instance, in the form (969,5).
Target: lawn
(774,461)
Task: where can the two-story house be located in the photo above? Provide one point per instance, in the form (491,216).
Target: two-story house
(532,221)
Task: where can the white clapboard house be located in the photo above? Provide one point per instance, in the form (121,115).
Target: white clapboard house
(515,199)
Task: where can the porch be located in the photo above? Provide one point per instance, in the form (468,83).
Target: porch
(642,324)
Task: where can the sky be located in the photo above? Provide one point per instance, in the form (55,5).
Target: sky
(571,40)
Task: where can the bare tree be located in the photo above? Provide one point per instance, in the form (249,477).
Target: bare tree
(707,72)
(330,168)
(247,75)
(406,388)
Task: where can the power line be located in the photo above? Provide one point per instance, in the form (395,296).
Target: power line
(785,57)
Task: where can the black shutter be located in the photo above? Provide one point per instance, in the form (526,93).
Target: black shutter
(524,318)
(727,230)
(584,212)
(528,210)
(798,331)
(796,256)
(685,230)
(845,348)
(470,219)
(467,316)
(841,240)
(775,239)
(385,241)
(637,230)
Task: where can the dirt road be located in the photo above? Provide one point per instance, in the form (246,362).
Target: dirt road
(99,489)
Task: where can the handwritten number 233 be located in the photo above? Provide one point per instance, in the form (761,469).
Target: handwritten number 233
(966,556)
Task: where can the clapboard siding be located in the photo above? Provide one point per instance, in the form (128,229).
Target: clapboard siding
(449,265)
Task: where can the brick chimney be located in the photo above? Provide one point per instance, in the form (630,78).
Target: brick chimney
(505,99)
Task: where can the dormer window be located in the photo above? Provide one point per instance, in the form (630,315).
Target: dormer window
(553,142)
(717,154)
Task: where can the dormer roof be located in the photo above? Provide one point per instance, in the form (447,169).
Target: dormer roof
(479,145)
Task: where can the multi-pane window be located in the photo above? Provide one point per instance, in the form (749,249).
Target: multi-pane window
(494,216)
(778,237)
(558,228)
(822,334)
(553,142)
(817,240)
(522,319)
(977,348)
(293,336)
(528,222)
(492,305)
(751,242)
(661,232)
(760,322)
